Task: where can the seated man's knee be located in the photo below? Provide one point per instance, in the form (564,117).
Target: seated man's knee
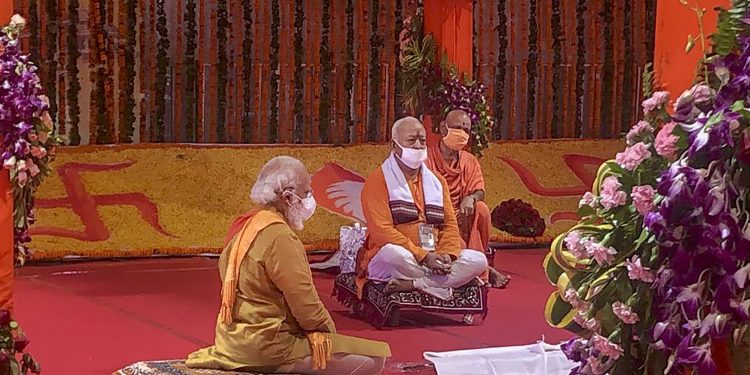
(481,209)
(475,259)
(394,254)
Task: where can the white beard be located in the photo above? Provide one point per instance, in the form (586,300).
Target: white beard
(294,219)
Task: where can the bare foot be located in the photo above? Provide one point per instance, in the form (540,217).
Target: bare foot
(396,285)
(498,280)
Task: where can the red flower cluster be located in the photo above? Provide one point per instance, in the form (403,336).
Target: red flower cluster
(518,218)
(12,346)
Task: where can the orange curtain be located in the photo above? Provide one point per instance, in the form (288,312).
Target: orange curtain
(6,210)
(451,23)
(6,242)
(6,11)
(675,69)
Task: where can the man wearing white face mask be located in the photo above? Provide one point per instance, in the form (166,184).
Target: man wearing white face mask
(413,237)
(271,318)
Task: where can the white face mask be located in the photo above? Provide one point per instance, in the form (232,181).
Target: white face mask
(307,206)
(411,157)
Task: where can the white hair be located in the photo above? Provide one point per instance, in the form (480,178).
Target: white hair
(278,174)
(398,124)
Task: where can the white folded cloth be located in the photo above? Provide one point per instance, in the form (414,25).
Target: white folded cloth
(534,359)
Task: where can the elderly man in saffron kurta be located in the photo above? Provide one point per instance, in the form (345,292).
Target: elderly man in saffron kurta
(463,174)
(413,238)
(271,318)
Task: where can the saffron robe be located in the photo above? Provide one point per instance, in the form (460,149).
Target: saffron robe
(464,177)
(381,229)
(276,305)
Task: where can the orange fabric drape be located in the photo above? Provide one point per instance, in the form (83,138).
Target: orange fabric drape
(675,72)
(675,69)
(451,23)
(6,242)
(6,11)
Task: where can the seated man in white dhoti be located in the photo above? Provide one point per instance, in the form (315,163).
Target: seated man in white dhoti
(413,237)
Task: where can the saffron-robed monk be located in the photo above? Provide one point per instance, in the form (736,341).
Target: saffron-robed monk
(463,174)
(413,238)
(271,318)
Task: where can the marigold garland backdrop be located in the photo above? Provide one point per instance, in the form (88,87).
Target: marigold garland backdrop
(135,200)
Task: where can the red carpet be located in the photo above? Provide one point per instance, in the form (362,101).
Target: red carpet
(93,318)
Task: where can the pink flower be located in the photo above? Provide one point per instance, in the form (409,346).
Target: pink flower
(638,272)
(611,195)
(655,101)
(10,162)
(666,142)
(38,152)
(637,130)
(624,313)
(47,120)
(588,199)
(602,254)
(633,156)
(643,198)
(597,367)
(605,347)
(33,137)
(575,245)
(22,178)
(43,136)
(575,300)
(590,324)
(32,167)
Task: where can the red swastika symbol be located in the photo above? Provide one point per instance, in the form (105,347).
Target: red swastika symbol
(577,164)
(85,204)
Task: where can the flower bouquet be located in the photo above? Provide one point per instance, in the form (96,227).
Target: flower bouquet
(432,86)
(656,275)
(28,136)
(518,218)
(12,346)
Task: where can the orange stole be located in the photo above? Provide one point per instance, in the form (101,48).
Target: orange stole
(237,225)
(255,223)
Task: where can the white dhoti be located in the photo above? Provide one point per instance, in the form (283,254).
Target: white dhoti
(395,262)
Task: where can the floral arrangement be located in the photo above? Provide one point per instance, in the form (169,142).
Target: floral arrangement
(518,218)
(657,272)
(12,346)
(29,143)
(432,85)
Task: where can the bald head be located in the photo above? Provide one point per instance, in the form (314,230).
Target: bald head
(409,132)
(456,119)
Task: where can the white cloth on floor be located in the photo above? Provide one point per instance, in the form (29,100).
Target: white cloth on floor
(395,262)
(535,359)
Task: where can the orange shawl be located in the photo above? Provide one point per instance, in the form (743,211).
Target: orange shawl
(253,223)
(463,177)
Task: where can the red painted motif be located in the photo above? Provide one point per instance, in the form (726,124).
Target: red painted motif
(577,164)
(85,205)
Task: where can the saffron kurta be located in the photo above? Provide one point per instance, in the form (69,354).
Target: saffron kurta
(464,177)
(381,229)
(276,305)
